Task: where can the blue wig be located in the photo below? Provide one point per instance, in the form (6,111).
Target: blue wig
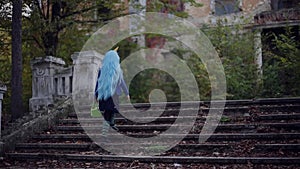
(110,76)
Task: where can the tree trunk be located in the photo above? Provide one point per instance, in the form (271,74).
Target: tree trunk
(50,41)
(16,80)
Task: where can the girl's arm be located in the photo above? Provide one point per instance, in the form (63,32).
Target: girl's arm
(125,88)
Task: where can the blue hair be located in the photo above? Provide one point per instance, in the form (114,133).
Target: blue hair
(110,76)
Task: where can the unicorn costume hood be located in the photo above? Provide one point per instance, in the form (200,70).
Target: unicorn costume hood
(110,76)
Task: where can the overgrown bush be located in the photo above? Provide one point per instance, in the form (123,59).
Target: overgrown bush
(235,46)
(281,73)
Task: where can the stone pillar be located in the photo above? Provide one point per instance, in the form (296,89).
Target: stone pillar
(85,71)
(2,91)
(258,50)
(43,70)
(258,59)
(137,7)
(212,7)
(274,4)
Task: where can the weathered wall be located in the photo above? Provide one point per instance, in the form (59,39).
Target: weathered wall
(205,15)
(198,12)
(208,5)
(249,5)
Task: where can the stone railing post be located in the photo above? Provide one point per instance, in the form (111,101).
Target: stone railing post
(43,71)
(85,70)
(2,91)
(258,50)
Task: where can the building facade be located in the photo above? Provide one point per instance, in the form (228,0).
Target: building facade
(261,15)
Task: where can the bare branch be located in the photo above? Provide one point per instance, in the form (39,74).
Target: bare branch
(48,9)
(79,12)
(37,42)
(40,9)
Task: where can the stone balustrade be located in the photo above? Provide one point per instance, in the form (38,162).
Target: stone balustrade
(51,80)
(275,17)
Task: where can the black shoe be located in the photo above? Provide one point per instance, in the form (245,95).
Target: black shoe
(115,128)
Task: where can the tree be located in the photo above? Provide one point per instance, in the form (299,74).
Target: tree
(36,35)
(51,18)
(16,80)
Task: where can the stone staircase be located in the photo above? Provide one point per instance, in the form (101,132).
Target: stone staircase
(251,134)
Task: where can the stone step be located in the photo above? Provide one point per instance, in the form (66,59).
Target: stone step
(53,145)
(230,111)
(120,119)
(180,147)
(272,101)
(194,137)
(153,113)
(31,146)
(162,127)
(295,116)
(245,102)
(157,159)
(264,132)
(270,147)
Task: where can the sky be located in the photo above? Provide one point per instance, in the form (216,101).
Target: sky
(7,8)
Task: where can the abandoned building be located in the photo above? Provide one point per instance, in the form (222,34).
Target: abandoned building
(263,16)
(52,81)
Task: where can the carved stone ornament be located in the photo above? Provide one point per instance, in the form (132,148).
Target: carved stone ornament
(39,72)
(2,86)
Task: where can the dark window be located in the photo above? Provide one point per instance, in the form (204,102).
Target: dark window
(223,7)
(56,85)
(70,84)
(64,85)
(282,4)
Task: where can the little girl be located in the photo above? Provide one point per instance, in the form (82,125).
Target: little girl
(109,86)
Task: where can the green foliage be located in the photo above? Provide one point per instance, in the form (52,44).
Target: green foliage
(151,79)
(5,68)
(71,40)
(51,23)
(281,63)
(200,73)
(225,119)
(72,26)
(235,48)
(147,80)
(27,77)
(167,6)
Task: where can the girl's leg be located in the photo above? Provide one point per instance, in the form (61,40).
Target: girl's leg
(107,114)
(112,120)
(109,117)
(116,102)
(105,127)
(107,121)
(112,123)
